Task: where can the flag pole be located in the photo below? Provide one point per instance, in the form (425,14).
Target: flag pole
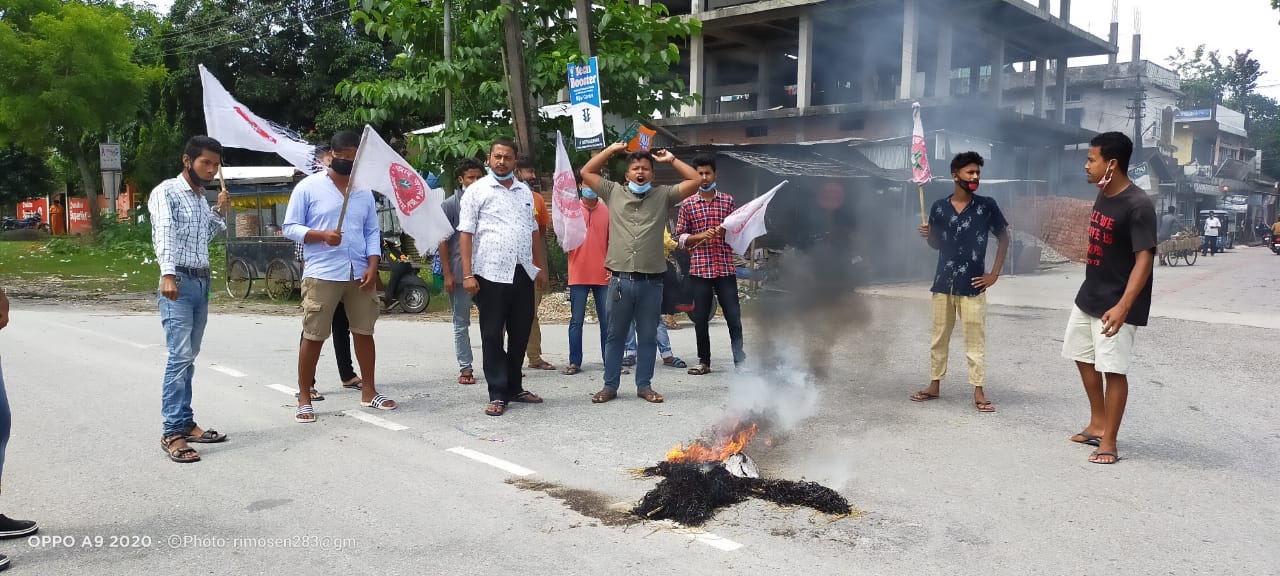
(924,218)
(346,196)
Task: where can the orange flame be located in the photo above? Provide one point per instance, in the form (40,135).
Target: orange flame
(725,446)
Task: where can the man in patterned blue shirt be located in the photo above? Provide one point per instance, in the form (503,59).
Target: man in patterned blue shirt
(958,229)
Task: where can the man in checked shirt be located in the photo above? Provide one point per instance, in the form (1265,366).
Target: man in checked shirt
(182,224)
(711,262)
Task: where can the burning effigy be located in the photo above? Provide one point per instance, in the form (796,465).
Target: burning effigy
(699,479)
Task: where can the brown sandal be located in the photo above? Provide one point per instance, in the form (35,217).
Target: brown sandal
(467,377)
(604,395)
(650,396)
(571,370)
(495,408)
(923,396)
(527,397)
(183,455)
(542,365)
(984,406)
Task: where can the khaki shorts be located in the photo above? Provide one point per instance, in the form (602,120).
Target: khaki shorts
(1084,342)
(321,297)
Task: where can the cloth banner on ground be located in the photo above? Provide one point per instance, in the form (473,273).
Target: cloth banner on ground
(379,168)
(235,126)
(747,223)
(920,173)
(566,216)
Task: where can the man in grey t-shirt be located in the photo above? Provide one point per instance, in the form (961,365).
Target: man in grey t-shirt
(468,171)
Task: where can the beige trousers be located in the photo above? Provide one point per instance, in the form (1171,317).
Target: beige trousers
(972,311)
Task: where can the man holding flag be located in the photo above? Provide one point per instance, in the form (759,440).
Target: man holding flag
(958,227)
(711,268)
(342,245)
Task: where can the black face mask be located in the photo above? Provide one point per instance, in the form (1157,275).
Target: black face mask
(970,186)
(342,166)
(196,180)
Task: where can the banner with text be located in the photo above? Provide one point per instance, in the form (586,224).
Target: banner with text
(584,103)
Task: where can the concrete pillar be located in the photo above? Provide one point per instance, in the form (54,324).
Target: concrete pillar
(975,80)
(910,40)
(710,85)
(997,73)
(869,69)
(764,78)
(1038,93)
(942,72)
(804,67)
(1060,70)
(697,73)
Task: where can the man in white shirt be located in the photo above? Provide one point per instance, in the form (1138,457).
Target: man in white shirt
(502,258)
(342,268)
(1212,229)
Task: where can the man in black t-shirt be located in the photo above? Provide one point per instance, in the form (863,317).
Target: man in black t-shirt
(1116,295)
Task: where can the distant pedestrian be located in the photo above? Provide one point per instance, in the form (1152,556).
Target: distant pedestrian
(1115,297)
(341,267)
(468,170)
(638,213)
(182,226)
(1275,228)
(9,528)
(1212,229)
(527,173)
(958,228)
(502,260)
(710,262)
(57,218)
(588,277)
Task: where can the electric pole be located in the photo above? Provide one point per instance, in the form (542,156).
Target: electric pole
(586,32)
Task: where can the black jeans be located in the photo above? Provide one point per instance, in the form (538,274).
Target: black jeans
(505,309)
(725,289)
(341,344)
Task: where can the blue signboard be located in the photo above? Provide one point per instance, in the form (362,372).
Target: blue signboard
(1203,114)
(584,104)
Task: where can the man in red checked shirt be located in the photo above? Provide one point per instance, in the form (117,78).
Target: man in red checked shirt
(711,262)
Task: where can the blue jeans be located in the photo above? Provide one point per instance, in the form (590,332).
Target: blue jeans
(184,320)
(662,337)
(6,419)
(630,299)
(460,301)
(578,307)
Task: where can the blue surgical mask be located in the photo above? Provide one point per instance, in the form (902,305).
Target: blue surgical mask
(707,188)
(502,177)
(589,194)
(638,189)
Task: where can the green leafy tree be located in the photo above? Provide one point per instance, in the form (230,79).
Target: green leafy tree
(67,75)
(23,174)
(1203,76)
(635,45)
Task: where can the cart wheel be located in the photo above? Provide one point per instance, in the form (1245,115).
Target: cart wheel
(1191,256)
(1172,257)
(414,298)
(239,279)
(280,280)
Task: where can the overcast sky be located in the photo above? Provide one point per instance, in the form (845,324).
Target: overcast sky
(1224,25)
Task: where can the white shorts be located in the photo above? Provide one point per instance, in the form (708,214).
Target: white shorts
(1084,342)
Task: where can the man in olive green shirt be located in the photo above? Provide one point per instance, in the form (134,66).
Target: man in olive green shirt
(638,214)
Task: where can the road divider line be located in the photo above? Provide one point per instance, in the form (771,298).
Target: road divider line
(232,372)
(494,461)
(283,389)
(376,421)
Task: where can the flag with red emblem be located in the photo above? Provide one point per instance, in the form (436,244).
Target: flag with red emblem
(379,168)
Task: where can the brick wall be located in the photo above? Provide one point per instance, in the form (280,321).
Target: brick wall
(1062,223)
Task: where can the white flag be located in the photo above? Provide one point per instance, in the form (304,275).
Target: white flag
(233,125)
(747,223)
(567,217)
(379,168)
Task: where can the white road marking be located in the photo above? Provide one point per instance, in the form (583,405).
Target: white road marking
(376,421)
(232,372)
(712,540)
(105,336)
(282,388)
(498,463)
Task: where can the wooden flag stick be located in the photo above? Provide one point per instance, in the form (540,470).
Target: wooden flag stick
(346,197)
(924,216)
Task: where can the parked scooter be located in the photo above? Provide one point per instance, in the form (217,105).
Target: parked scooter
(10,223)
(405,288)
(1274,242)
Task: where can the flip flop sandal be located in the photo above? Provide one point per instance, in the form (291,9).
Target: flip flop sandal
(527,397)
(543,365)
(700,370)
(316,396)
(923,396)
(1115,457)
(467,377)
(650,396)
(604,395)
(381,403)
(356,384)
(674,362)
(495,408)
(305,414)
(984,407)
(571,370)
(210,436)
(1089,439)
(185,455)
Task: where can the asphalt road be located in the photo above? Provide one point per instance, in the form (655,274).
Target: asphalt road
(941,489)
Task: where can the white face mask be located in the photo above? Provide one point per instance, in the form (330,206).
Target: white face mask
(1106,178)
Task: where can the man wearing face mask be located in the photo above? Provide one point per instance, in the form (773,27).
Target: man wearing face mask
(1115,297)
(182,225)
(638,215)
(342,251)
(588,277)
(958,228)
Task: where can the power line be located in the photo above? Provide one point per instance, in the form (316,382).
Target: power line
(194,47)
